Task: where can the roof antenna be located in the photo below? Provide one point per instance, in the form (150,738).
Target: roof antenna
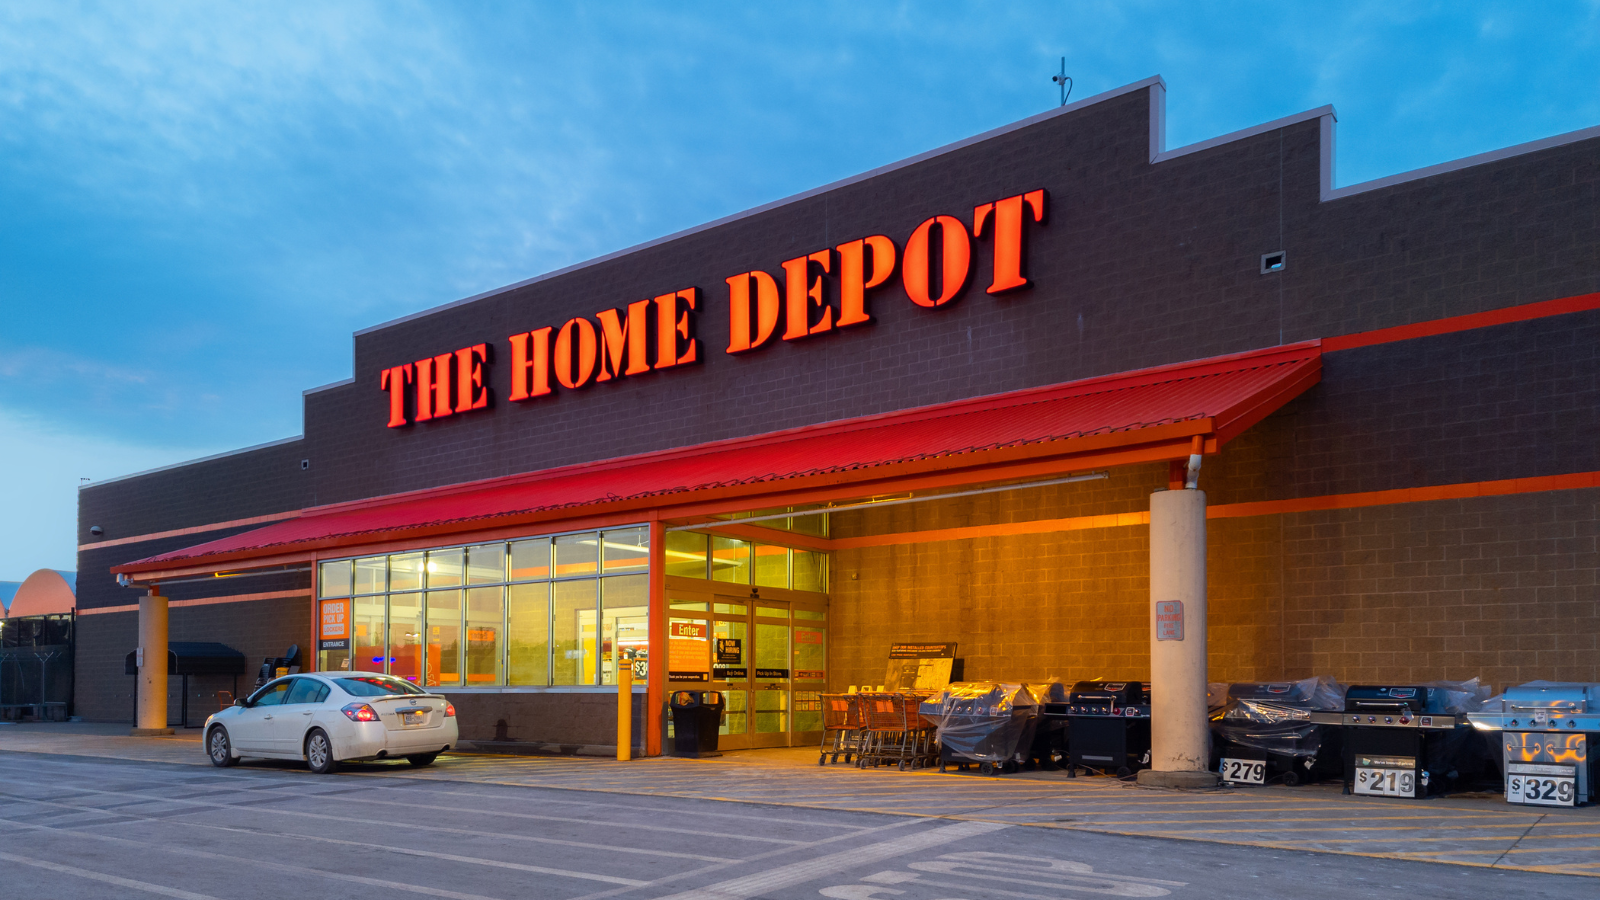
(1063,81)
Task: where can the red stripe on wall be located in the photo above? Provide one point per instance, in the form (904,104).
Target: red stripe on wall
(1468,322)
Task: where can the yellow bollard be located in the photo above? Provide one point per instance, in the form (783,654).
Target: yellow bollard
(624,710)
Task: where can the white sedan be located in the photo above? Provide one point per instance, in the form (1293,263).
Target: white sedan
(325,717)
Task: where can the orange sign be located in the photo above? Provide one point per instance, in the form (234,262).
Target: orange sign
(821,291)
(335,620)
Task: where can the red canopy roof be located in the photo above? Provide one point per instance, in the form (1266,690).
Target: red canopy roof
(1138,416)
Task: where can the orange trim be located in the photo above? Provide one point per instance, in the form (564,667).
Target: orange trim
(1581,303)
(1239,510)
(1039,526)
(198,529)
(1410,495)
(203,601)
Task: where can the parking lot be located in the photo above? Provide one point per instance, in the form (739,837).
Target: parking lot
(90,813)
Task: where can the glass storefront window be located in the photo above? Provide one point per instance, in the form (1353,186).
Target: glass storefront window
(730,560)
(444,567)
(624,624)
(771,566)
(372,575)
(405,637)
(485,613)
(572,632)
(366,634)
(811,571)
(626,551)
(744,562)
(486,564)
(565,609)
(444,638)
(686,554)
(577,554)
(333,579)
(405,572)
(528,632)
(530,559)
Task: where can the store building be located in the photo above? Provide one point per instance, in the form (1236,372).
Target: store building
(931,403)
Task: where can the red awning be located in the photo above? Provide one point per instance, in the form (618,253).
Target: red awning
(1142,416)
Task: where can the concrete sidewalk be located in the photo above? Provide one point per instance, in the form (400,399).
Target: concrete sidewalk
(1473,830)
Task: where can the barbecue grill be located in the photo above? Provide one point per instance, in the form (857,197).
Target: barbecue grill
(1542,733)
(1109,725)
(1264,732)
(1407,741)
(988,723)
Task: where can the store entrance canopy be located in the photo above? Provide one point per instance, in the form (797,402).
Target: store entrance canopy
(1143,416)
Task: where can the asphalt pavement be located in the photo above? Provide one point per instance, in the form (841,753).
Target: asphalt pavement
(83,827)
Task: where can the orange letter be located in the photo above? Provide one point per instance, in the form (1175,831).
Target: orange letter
(470,392)
(433,387)
(853,280)
(620,338)
(1008,250)
(394,381)
(917,272)
(801,293)
(574,366)
(675,341)
(535,364)
(766,319)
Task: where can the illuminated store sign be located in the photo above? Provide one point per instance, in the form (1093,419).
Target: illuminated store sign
(821,291)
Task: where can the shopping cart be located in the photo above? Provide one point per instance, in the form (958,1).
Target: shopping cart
(895,732)
(842,732)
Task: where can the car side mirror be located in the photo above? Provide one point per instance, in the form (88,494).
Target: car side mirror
(240,702)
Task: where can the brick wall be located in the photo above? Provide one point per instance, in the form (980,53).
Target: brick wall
(257,629)
(1500,588)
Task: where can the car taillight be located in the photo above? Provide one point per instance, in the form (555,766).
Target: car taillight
(450,710)
(359,712)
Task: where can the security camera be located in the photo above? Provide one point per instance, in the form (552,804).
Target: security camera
(96,530)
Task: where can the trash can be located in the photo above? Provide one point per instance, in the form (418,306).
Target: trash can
(696,720)
(1264,732)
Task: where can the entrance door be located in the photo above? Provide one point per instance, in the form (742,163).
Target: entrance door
(769,658)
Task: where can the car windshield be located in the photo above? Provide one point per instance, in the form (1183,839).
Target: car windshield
(377,686)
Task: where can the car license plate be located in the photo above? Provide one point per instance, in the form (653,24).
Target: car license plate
(413,717)
(1387,782)
(1544,786)
(1244,771)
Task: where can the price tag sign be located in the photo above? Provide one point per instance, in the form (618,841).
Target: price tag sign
(1541,785)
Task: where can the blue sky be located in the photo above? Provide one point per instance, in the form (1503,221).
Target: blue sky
(200,202)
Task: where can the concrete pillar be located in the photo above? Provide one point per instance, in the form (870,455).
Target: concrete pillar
(1179,732)
(152,714)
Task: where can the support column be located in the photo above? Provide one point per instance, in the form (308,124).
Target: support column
(1179,730)
(152,714)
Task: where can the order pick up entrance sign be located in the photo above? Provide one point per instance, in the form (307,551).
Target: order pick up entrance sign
(1169,620)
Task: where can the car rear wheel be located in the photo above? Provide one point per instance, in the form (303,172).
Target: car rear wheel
(422,759)
(219,749)
(319,753)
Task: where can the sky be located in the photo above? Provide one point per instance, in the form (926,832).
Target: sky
(200,202)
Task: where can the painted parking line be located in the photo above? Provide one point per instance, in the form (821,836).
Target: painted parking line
(102,877)
(790,875)
(321,874)
(384,823)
